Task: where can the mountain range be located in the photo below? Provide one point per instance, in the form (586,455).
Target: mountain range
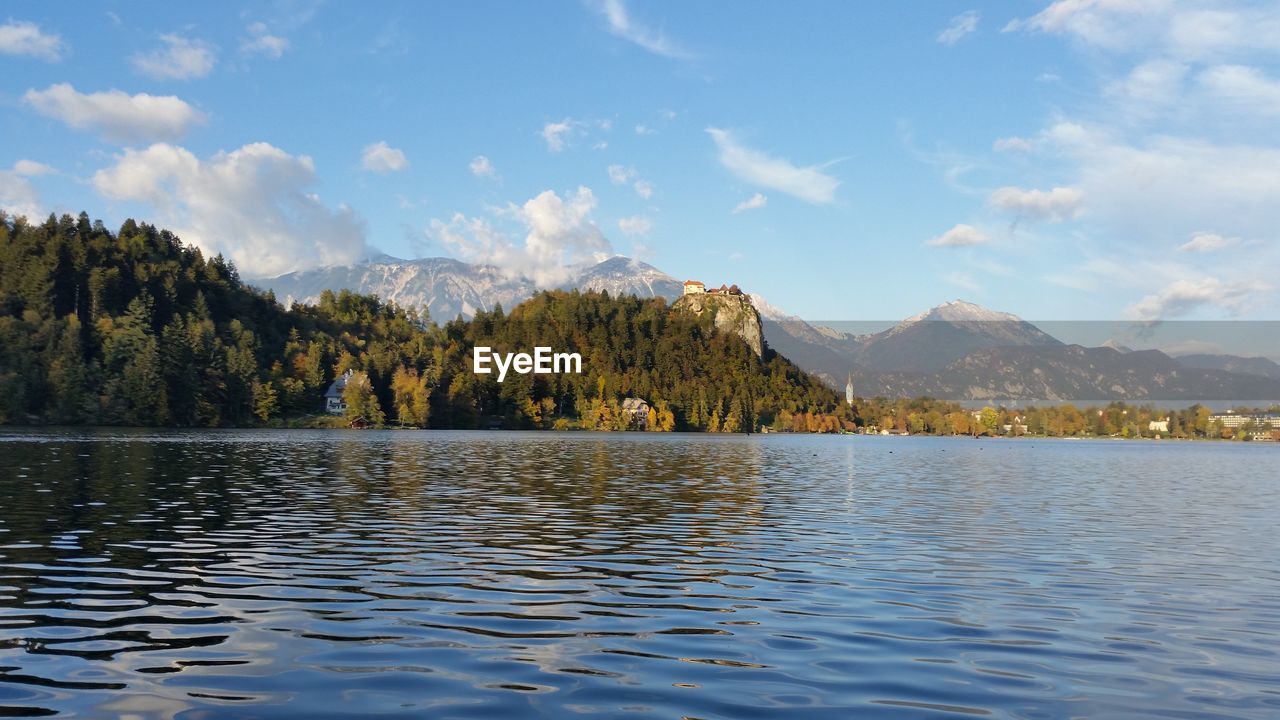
(955,351)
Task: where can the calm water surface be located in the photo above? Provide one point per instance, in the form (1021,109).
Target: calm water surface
(478,575)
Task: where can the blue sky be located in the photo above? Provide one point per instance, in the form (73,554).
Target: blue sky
(1077,159)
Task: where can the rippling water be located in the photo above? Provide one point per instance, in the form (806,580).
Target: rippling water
(326,574)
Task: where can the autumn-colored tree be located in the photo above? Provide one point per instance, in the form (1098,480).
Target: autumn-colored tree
(361,401)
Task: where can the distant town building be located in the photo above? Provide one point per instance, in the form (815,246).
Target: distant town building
(1018,426)
(694,287)
(848,392)
(1261,421)
(637,412)
(1158,426)
(333,402)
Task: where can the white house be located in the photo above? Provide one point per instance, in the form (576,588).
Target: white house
(333,402)
(637,412)
(694,287)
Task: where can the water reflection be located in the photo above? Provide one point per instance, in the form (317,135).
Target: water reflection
(470,574)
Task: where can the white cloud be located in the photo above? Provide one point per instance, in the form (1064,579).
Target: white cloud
(31,168)
(624,26)
(960,26)
(1060,203)
(1012,144)
(1089,19)
(180,59)
(960,236)
(807,183)
(1182,297)
(1242,88)
(557,133)
(758,200)
(253,205)
(558,233)
(1176,29)
(1178,139)
(115,115)
(1208,242)
(26,38)
(481,167)
(1149,88)
(18,196)
(262,42)
(382,158)
(620,174)
(645,130)
(643,188)
(1167,186)
(635,225)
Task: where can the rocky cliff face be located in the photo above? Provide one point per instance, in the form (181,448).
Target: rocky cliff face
(731,313)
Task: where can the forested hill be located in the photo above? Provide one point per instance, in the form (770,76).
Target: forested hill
(135,328)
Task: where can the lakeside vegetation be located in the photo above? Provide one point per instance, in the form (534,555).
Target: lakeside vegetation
(136,328)
(927,416)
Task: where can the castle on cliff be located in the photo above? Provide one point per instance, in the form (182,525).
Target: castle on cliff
(695,287)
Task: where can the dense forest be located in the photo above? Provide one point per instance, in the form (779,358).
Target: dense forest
(136,328)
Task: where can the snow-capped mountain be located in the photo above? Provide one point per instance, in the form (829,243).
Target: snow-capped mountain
(446,288)
(933,339)
(626,276)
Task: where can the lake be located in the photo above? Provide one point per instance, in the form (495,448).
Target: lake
(328,574)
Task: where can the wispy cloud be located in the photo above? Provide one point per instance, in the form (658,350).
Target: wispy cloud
(963,279)
(115,115)
(807,183)
(1180,30)
(960,236)
(26,38)
(1208,242)
(635,225)
(754,202)
(261,42)
(1011,144)
(1242,88)
(621,24)
(960,26)
(1060,203)
(620,174)
(179,59)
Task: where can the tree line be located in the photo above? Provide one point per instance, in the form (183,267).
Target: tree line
(928,416)
(136,328)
